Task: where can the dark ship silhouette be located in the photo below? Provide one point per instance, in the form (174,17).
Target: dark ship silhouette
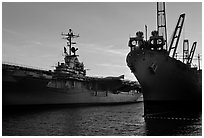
(168,84)
(67,84)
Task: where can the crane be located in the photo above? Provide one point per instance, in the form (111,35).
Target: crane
(190,57)
(176,35)
(185,50)
(161,21)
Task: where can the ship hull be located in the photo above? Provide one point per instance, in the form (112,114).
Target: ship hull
(62,96)
(167,83)
(29,90)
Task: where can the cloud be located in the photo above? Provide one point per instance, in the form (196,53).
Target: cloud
(36,42)
(111,65)
(33,43)
(9,31)
(18,39)
(110,49)
(120,52)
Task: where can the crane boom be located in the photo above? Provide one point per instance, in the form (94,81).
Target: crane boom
(176,35)
(189,61)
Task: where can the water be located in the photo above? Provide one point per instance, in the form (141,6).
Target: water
(111,120)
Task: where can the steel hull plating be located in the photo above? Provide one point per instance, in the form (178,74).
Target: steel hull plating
(167,83)
(31,91)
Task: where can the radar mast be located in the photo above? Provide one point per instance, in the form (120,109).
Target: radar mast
(69,36)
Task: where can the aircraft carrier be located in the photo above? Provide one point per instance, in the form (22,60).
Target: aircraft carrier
(67,84)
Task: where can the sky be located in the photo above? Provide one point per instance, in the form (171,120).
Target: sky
(31,32)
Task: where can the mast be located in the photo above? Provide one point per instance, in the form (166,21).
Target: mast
(198,61)
(161,21)
(146,32)
(185,50)
(69,36)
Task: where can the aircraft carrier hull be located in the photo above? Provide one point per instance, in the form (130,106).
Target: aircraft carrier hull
(21,89)
(167,84)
